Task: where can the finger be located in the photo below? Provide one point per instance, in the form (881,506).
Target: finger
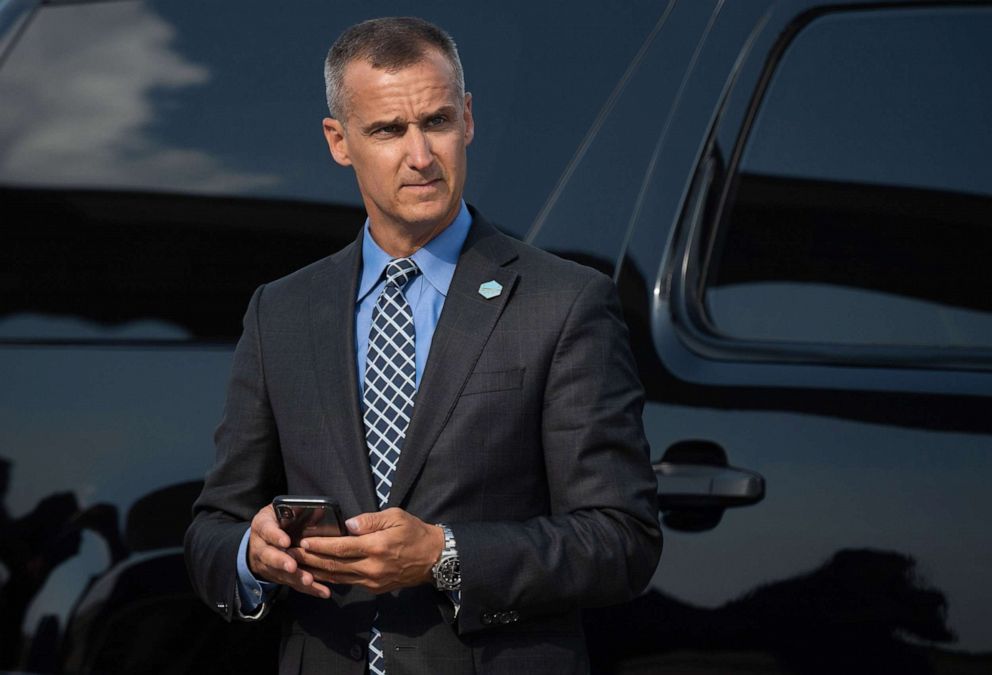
(374,584)
(268,529)
(324,563)
(305,582)
(339,547)
(365,523)
(317,590)
(363,572)
(354,576)
(273,560)
(280,568)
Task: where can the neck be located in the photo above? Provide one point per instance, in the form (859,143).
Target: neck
(405,240)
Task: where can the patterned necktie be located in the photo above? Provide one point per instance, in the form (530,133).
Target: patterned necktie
(390,386)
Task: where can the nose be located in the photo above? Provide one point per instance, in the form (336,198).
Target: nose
(418,151)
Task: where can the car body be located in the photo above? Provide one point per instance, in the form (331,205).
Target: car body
(792,196)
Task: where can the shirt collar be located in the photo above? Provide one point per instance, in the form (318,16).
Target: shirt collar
(436,259)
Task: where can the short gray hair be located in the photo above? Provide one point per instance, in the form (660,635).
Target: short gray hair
(390,43)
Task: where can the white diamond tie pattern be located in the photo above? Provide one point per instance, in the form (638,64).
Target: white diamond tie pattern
(390,387)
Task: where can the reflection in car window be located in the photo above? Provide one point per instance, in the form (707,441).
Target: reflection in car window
(863,199)
(227,98)
(159,159)
(102,266)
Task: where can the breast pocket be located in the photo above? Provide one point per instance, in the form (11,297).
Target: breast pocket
(490,381)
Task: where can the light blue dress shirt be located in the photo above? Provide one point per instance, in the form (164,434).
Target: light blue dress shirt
(426,294)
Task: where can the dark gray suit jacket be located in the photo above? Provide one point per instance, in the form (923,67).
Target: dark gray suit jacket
(526,438)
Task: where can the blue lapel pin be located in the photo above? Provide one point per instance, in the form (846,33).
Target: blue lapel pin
(490,289)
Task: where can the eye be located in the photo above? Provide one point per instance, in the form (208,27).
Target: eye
(387,130)
(436,121)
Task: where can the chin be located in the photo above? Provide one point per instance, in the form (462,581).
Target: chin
(427,213)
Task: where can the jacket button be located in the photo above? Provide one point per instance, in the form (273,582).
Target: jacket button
(514,616)
(357,651)
(504,617)
(487,618)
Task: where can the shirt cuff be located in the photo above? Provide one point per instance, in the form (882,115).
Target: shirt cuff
(252,593)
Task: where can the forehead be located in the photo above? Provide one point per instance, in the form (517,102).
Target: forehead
(420,87)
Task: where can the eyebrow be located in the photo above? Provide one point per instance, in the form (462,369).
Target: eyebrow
(449,110)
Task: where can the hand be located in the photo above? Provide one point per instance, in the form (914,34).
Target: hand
(268,558)
(388,550)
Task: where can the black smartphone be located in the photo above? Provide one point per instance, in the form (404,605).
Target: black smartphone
(304,516)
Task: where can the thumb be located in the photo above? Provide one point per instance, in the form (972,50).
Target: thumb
(365,523)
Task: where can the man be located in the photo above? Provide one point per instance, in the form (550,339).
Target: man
(490,456)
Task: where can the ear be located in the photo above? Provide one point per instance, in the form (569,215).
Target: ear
(469,121)
(337,142)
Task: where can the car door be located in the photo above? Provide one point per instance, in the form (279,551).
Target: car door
(803,271)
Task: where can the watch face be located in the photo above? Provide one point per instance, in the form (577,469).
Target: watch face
(449,573)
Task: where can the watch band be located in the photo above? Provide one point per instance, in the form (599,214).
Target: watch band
(447,570)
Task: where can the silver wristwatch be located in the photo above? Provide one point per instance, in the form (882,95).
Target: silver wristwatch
(447,570)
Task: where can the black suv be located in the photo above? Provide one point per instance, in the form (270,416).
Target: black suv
(794,199)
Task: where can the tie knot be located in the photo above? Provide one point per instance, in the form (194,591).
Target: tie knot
(400,271)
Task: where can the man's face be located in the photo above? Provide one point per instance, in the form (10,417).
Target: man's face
(405,135)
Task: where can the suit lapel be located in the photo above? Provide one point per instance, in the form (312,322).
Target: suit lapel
(462,330)
(332,310)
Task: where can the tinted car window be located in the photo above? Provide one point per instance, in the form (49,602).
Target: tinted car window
(228,98)
(159,160)
(862,204)
(110,266)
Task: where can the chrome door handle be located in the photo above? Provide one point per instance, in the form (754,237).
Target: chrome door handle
(694,475)
(706,486)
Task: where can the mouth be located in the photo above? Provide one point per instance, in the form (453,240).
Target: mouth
(424,186)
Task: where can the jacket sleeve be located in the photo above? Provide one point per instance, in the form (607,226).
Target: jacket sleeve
(600,542)
(247,472)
